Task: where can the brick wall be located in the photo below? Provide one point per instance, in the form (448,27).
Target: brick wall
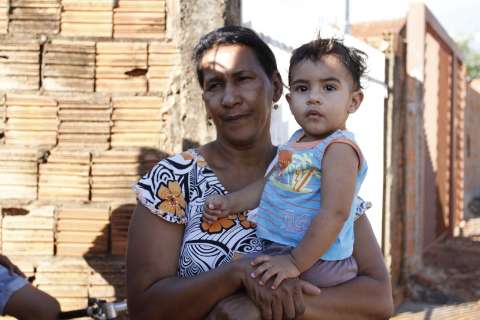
(472,144)
(92,95)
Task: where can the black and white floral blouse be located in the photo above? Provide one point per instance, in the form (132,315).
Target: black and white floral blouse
(175,190)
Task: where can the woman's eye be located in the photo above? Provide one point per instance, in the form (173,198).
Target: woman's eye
(241,79)
(212,86)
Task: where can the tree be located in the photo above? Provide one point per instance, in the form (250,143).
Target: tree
(471,58)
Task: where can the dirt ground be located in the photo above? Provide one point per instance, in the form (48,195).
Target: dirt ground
(451,273)
(448,287)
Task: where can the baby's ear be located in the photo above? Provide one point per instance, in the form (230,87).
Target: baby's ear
(357,98)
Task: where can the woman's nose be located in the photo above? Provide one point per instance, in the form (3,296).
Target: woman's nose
(230,96)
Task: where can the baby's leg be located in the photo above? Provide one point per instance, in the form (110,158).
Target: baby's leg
(326,274)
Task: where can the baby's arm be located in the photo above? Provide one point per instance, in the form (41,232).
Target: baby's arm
(218,206)
(339,170)
(340,166)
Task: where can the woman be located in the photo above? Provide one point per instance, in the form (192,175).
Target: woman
(177,264)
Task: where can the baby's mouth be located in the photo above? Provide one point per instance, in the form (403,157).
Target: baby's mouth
(313,113)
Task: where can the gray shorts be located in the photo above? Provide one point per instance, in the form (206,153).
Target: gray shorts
(9,284)
(323,273)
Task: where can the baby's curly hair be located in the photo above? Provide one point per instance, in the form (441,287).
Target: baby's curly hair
(353,59)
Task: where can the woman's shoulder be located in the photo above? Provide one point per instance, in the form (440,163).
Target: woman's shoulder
(164,190)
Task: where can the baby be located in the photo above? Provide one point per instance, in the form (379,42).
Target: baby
(306,201)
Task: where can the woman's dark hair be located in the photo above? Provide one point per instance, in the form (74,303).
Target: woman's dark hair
(235,35)
(353,59)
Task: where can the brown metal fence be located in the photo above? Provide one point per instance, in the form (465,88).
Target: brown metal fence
(424,123)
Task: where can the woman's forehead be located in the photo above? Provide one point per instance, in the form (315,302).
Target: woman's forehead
(229,59)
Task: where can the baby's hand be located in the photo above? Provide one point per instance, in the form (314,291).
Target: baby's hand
(282,266)
(215,207)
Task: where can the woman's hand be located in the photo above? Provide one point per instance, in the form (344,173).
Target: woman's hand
(286,302)
(235,307)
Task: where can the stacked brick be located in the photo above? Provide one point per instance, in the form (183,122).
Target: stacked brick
(69,66)
(163,58)
(19,172)
(87,18)
(84,123)
(83,114)
(34,16)
(31,120)
(107,278)
(28,231)
(82,230)
(139,19)
(4,16)
(65,279)
(19,65)
(2,116)
(113,173)
(65,176)
(121,67)
(120,220)
(138,121)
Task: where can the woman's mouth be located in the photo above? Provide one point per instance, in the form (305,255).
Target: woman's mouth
(234,117)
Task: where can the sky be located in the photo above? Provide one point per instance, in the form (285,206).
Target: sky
(461,18)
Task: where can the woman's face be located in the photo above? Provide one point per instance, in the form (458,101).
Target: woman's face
(238,94)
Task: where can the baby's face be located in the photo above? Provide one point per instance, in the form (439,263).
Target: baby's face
(321,96)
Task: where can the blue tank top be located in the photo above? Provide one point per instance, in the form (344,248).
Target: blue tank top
(291,196)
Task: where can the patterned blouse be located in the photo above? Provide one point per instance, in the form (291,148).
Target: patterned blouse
(175,190)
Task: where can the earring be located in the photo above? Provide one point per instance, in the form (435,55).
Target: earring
(209,121)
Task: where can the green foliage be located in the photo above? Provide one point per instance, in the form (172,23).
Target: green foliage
(471,58)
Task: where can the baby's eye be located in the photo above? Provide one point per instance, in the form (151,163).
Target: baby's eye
(300,88)
(330,87)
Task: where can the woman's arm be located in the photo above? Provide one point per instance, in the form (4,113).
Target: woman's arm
(154,291)
(368,296)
